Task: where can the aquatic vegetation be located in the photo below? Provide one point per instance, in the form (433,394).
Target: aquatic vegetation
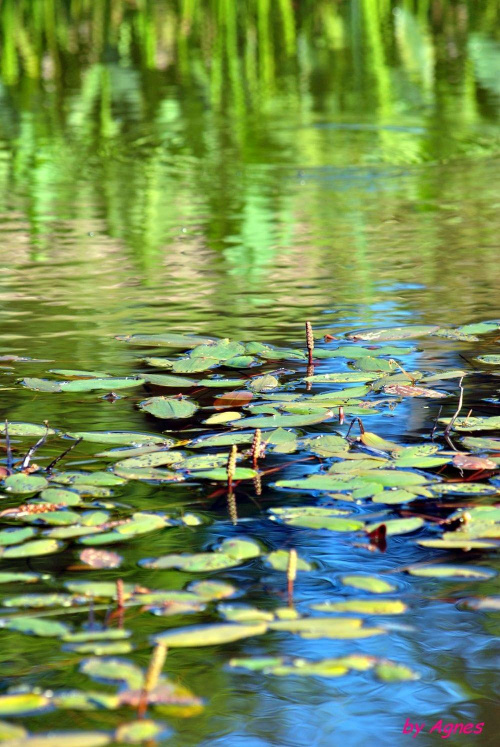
(352,486)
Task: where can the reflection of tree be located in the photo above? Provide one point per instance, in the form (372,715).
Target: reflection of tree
(143,119)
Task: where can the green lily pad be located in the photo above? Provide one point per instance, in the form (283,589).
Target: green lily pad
(368,363)
(243,613)
(29,430)
(339,378)
(390,672)
(21,483)
(368,583)
(240,473)
(281,421)
(23,704)
(174,382)
(240,361)
(326,627)
(222,439)
(318,518)
(61,496)
(12,732)
(325,445)
(398,526)
(113,671)
(153,459)
(14,536)
(35,601)
(169,408)
(121,437)
(138,732)
(209,635)
(479,328)
(41,385)
(393,333)
(69,372)
(172,340)
(476,443)
(212,589)
(280,559)
(32,549)
(491,360)
(451,571)
(109,384)
(363,606)
(35,626)
(264,383)
(474,424)
(21,578)
(193,365)
(458,544)
(455,334)
(465,488)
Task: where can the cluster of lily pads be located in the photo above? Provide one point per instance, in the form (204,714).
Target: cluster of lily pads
(352,481)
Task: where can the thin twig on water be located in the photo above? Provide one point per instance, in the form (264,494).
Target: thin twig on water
(27,459)
(61,456)
(8,447)
(457,413)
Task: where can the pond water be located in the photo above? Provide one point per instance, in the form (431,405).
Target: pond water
(233,170)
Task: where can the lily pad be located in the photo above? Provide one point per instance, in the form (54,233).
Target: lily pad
(209,635)
(32,549)
(490,360)
(166,340)
(339,378)
(393,333)
(280,559)
(373,584)
(390,672)
(169,408)
(109,384)
(173,382)
(21,483)
(121,437)
(35,626)
(451,571)
(363,606)
(398,526)
(29,430)
(23,704)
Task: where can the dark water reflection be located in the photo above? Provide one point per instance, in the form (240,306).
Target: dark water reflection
(235,169)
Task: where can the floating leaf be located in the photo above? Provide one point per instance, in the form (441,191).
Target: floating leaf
(368,583)
(137,732)
(241,361)
(264,383)
(403,390)
(379,443)
(326,627)
(398,526)
(491,360)
(474,424)
(393,333)
(280,560)
(476,443)
(113,671)
(61,496)
(455,334)
(451,571)
(240,473)
(174,382)
(121,437)
(13,536)
(109,384)
(222,417)
(232,399)
(282,421)
(368,363)
(243,613)
(458,544)
(21,578)
(23,704)
(212,589)
(32,549)
(318,518)
(325,445)
(166,340)
(441,375)
(389,672)
(41,385)
(338,378)
(222,439)
(21,483)
(12,731)
(169,408)
(465,488)
(209,635)
(193,365)
(363,606)
(29,430)
(35,626)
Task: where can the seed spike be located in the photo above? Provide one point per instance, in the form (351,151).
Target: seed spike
(291,574)
(231,467)
(309,342)
(232,507)
(256,446)
(152,676)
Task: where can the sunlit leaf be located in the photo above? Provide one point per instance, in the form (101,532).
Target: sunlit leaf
(21,483)
(168,408)
(40,627)
(23,704)
(393,333)
(173,382)
(166,340)
(451,571)
(280,560)
(209,635)
(388,671)
(363,606)
(32,549)
(30,430)
(368,583)
(121,437)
